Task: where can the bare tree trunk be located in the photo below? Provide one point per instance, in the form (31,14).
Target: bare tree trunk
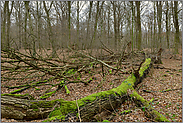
(167,24)
(3,36)
(8,23)
(38,25)
(69,20)
(78,33)
(115,23)
(132,25)
(19,26)
(159,17)
(95,26)
(25,26)
(50,32)
(176,25)
(154,37)
(139,35)
(108,25)
(90,10)
(32,42)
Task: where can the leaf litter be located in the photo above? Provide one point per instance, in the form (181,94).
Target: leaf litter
(168,103)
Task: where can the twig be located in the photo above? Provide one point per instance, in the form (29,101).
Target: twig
(78,110)
(112,106)
(106,48)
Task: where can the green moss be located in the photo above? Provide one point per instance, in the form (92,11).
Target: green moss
(167,90)
(15,91)
(126,112)
(19,95)
(159,118)
(15,95)
(34,106)
(55,113)
(105,121)
(6,107)
(59,117)
(43,104)
(144,66)
(37,89)
(67,90)
(36,110)
(17,105)
(47,95)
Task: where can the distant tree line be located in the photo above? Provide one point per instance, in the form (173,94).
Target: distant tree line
(37,25)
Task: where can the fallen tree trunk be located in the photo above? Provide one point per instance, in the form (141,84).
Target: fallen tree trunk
(23,109)
(83,109)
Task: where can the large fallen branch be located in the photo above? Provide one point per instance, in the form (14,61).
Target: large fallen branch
(105,64)
(61,110)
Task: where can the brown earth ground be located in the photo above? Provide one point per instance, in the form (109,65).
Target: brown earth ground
(168,103)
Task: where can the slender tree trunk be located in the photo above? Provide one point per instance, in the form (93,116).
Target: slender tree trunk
(3,36)
(50,33)
(32,44)
(115,23)
(19,27)
(176,25)
(25,27)
(69,20)
(138,25)
(95,25)
(167,24)
(8,27)
(132,26)
(154,39)
(151,36)
(90,10)
(159,17)
(38,24)
(78,35)
(108,25)
(8,23)
(30,28)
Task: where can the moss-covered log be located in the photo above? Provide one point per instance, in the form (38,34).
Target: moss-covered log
(61,110)
(149,111)
(19,107)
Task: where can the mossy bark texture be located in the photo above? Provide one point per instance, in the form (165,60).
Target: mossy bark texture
(61,110)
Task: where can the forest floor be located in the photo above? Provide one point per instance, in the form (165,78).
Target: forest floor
(163,85)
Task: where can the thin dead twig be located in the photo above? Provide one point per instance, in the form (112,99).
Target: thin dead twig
(78,110)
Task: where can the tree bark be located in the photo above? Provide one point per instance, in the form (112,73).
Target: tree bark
(132,25)
(26,3)
(159,17)
(90,10)
(3,36)
(167,24)
(95,26)
(23,109)
(8,22)
(139,35)
(50,32)
(69,20)
(115,23)
(176,25)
